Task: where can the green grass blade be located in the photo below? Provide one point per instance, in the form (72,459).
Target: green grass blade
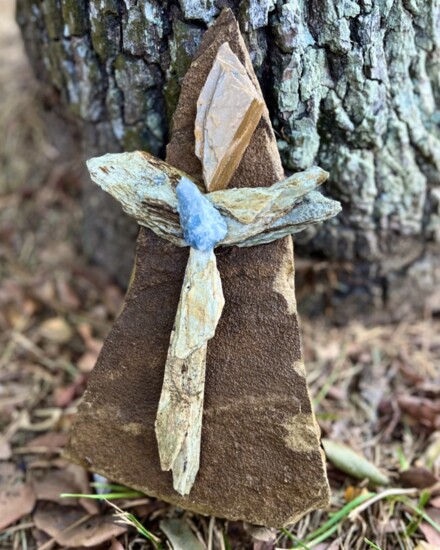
(340,515)
(422,514)
(107,496)
(371,544)
(143,531)
(296,541)
(126,518)
(325,535)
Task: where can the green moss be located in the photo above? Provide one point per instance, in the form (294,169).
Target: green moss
(186,40)
(75,17)
(134,31)
(137,138)
(183,45)
(53,54)
(171,95)
(132,139)
(53,19)
(144,30)
(120,62)
(105,35)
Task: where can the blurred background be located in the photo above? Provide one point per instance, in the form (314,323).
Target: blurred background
(375,380)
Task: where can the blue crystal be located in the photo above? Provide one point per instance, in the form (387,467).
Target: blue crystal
(202,224)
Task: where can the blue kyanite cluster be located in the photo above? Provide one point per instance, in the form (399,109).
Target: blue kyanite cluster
(203,226)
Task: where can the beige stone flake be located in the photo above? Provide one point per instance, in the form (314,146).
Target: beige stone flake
(228,111)
(179,418)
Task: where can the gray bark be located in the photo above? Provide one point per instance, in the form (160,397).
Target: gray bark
(351,86)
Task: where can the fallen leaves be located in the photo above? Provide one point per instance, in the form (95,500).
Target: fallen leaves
(63,477)
(418,477)
(50,443)
(56,330)
(353,463)
(180,535)
(5,449)
(17,497)
(431,534)
(422,410)
(93,348)
(64,395)
(423,545)
(70,526)
(16,502)
(116,545)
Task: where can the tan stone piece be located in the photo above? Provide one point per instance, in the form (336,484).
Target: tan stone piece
(228,111)
(261,459)
(179,418)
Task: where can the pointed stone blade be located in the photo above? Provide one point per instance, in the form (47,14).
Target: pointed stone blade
(228,111)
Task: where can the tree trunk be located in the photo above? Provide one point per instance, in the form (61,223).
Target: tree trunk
(351,86)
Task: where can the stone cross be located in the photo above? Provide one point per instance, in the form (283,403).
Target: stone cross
(260,438)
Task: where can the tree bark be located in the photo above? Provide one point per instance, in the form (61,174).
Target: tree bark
(351,86)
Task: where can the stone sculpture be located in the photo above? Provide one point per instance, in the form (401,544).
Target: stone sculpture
(229,316)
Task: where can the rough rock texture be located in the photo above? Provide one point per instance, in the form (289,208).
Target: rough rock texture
(261,460)
(352,86)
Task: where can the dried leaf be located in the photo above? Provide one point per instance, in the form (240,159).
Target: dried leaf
(351,492)
(87,361)
(70,527)
(229,96)
(51,442)
(261,545)
(113,299)
(92,344)
(426,546)
(5,449)
(64,395)
(56,330)
(180,535)
(423,410)
(116,545)
(80,477)
(262,534)
(66,294)
(16,502)
(431,535)
(418,477)
(69,478)
(431,455)
(352,463)
(51,484)
(435,502)
(17,498)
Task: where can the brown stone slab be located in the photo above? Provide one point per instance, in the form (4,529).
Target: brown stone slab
(260,460)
